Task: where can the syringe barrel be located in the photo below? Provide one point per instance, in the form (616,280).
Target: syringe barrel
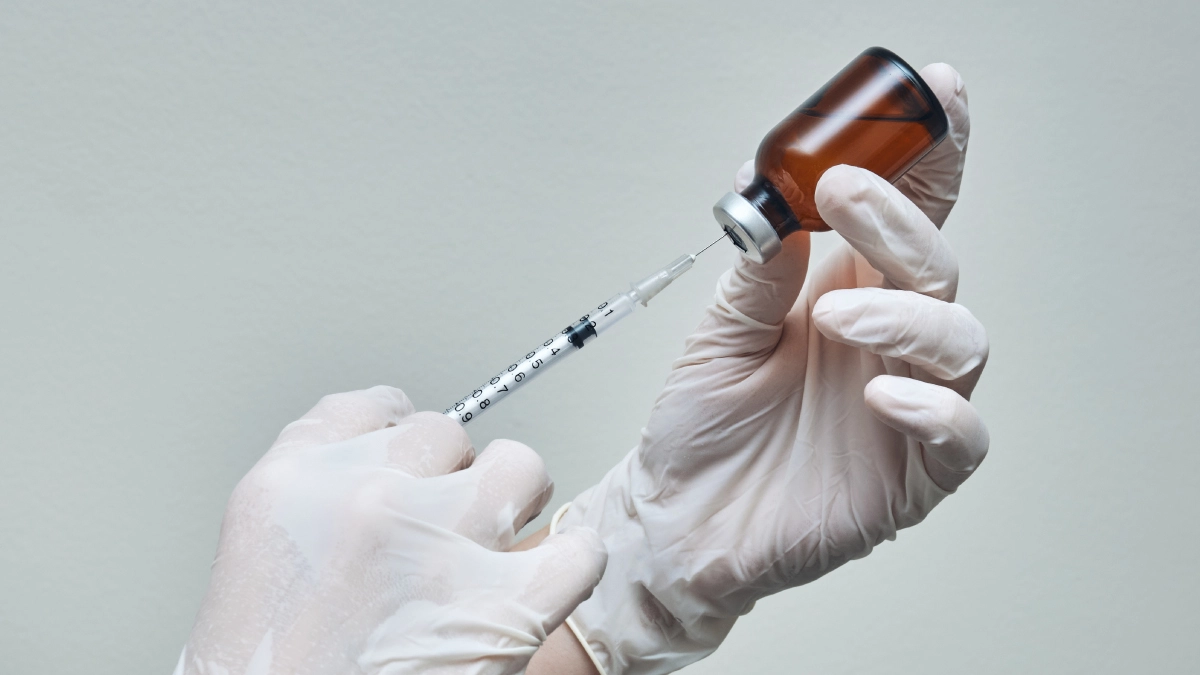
(569,340)
(609,312)
(510,379)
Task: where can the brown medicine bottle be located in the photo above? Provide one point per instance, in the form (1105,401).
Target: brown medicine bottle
(877,114)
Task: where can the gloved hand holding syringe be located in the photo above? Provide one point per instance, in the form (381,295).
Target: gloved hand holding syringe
(570,340)
(876,114)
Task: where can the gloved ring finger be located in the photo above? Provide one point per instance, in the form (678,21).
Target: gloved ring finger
(953,437)
(943,338)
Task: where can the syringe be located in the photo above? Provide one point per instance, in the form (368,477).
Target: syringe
(570,340)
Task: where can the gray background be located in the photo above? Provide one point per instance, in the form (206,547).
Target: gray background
(213,214)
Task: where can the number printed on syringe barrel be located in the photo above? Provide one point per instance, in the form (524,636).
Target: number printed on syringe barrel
(571,339)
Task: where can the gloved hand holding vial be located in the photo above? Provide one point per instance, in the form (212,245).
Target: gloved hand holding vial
(811,417)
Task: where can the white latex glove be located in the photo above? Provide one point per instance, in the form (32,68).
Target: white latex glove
(370,539)
(802,426)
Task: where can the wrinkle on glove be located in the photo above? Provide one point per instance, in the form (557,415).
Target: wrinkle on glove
(810,419)
(370,539)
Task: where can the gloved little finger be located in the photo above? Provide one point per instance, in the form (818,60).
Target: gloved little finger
(339,417)
(511,488)
(953,438)
(566,568)
(933,183)
(943,338)
(893,235)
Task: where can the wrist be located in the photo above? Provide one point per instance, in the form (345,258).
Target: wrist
(561,654)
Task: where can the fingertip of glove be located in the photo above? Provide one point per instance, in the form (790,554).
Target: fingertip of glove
(840,188)
(393,397)
(947,84)
(388,392)
(944,80)
(582,547)
(438,431)
(885,389)
(744,176)
(515,456)
(918,408)
(823,314)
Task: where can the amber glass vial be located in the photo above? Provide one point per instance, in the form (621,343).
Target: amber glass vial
(877,113)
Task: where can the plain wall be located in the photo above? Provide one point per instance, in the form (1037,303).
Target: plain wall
(213,213)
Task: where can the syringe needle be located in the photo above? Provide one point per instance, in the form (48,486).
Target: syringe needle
(713,244)
(570,340)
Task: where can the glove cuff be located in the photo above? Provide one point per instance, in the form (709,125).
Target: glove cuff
(570,622)
(624,628)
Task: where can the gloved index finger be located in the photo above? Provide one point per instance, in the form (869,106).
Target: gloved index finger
(883,225)
(340,417)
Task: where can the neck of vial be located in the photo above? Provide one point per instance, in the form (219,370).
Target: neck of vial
(767,199)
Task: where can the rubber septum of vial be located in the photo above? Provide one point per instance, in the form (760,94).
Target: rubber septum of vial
(877,114)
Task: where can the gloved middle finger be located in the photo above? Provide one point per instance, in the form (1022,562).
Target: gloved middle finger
(943,338)
(504,488)
(884,226)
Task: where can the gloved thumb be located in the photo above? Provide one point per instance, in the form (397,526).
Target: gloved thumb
(766,292)
(752,299)
(568,566)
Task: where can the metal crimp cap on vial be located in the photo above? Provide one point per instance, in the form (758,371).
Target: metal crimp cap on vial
(748,228)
